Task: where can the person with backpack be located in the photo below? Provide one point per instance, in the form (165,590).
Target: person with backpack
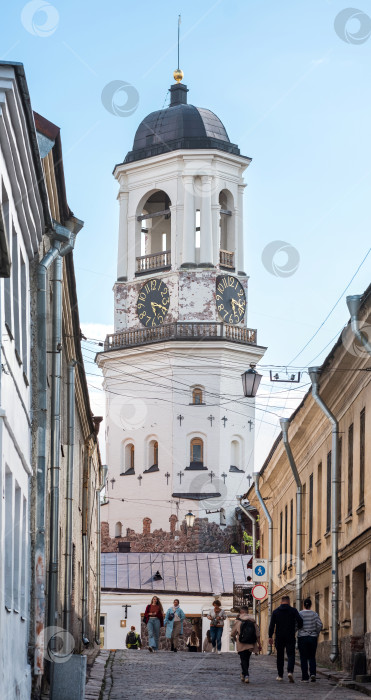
(133,640)
(307,641)
(285,620)
(174,624)
(216,617)
(246,633)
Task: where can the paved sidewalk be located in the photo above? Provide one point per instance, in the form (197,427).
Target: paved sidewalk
(137,675)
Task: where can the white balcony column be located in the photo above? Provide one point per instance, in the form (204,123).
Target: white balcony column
(206,246)
(215,217)
(134,228)
(189,222)
(239,263)
(122,257)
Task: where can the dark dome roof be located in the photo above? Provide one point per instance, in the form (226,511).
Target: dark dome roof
(179,126)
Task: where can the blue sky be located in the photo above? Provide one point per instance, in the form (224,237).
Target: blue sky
(291,93)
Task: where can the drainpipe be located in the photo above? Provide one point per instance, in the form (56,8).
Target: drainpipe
(40,559)
(69,496)
(270,547)
(253,521)
(285,422)
(68,237)
(354,305)
(99,490)
(314,373)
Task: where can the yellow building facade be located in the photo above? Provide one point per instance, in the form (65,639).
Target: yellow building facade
(345,387)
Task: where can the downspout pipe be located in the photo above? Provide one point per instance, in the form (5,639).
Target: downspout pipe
(253,521)
(104,471)
(40,545)
(314,373)
(68,237)
(256,476)
(69,495)
(354,305)
(285,422)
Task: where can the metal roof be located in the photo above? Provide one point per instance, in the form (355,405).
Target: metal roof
(191,572)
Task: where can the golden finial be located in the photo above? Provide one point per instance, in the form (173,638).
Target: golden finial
(178,75)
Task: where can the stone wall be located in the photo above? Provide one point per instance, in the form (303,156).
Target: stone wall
(202,537)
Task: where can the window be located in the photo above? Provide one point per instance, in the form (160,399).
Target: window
(197,450)
(346,610)
(155,453)
(350,469)
(310,511)
(316,602)
(326,608)
(198,229)
(197,396)
(235,454)
(128,458)
(340,476)
(328,494)
(24,303)
(15,276)
(17,546)
(164,241)
(303,528)
(285,553)
(362,418)
(118,530)
(24,561)
(291,529)
(8,554)
(281,528)
(319,501)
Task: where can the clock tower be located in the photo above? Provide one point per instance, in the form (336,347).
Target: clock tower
(179,434)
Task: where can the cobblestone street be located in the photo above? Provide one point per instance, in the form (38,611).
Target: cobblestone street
(134,675)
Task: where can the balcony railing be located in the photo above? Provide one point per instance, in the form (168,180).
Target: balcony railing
(180,331)
(226,259)
(153,262)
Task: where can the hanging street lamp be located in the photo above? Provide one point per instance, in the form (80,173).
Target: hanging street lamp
(250,382)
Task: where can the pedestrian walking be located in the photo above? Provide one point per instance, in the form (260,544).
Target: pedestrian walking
(216,617)
(307,641)
(207,646)
(285,620)
(133,640)
(193,641)
(174,624)
(154,619)
(246,633)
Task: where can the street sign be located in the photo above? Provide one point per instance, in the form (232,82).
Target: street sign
(260,570)
(259,591)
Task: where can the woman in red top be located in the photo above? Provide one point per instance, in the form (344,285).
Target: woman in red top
(154,619)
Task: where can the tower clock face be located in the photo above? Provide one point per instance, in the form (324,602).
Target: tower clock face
(230,299)
(153,303)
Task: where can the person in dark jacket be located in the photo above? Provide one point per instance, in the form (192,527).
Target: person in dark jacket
(285,621)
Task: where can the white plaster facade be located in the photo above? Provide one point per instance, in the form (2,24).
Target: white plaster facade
(21,229)
(149,383)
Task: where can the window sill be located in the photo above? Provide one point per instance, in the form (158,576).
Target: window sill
(10,334)
(153,468)
(196,404)
(327,534)
(309,550)
(326,630)
(196,466)
(360,509)
(318,543)
(349,518)
(27,383)
(289,567)
(129,472)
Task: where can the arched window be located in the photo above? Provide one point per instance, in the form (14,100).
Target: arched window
(129,462)
(235,453)
(197,396)
(197,450)
(118,529)
(155,453)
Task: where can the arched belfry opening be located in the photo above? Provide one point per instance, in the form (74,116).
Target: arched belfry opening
(154,233)
(227,245)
